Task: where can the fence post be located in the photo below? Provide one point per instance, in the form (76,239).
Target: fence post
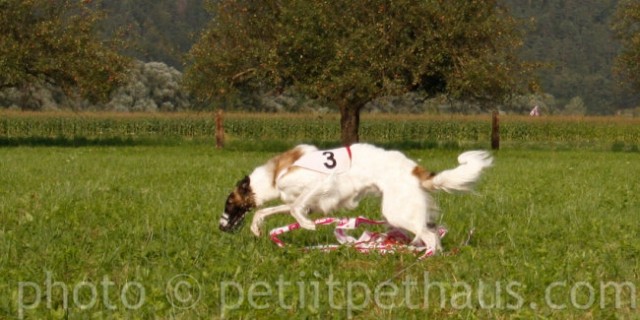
(219,130)
(495,131)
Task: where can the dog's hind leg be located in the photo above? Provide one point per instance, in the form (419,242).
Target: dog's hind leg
(430,238)
(424,232)
(260,215)
(429,232)
(412,210)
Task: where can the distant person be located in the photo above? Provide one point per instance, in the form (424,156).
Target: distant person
(535,112)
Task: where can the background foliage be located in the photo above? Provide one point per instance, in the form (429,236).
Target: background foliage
(350,53)
(627,28)
(151,86)
(359,51)
(155,30)
(53,43)
(574,39)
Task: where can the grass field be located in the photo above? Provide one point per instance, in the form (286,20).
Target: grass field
(131,231)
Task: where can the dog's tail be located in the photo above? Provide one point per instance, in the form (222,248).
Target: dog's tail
(461,178)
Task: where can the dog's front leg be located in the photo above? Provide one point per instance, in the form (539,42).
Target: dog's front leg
(260,215)
(300,213)
(301,206)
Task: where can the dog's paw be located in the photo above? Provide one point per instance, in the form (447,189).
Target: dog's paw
(255,229)
(428,253)
(432,242)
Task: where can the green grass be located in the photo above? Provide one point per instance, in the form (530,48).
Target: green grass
(554,230)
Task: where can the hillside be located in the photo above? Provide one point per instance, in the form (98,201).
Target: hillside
(157,30)
(574,39)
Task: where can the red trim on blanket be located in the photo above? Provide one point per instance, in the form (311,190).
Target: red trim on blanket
(348,151)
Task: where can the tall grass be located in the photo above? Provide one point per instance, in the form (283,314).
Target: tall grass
(419,130)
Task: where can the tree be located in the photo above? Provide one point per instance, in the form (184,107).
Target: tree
(151,86)
(627,29)
(54,42)
(351,52)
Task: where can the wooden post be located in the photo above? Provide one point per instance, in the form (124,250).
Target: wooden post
(219,130)
(495,131)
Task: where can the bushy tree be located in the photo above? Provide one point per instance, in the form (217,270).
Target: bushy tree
(575,107)
(55,42)
(348,52)
(41,97)
(152,86)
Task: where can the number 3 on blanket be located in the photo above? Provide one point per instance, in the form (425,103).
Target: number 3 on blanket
(326,161)
(331,160)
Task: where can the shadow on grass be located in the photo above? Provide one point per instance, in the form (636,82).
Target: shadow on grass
(69,142)
(234,145)
(620,146)
(280,146)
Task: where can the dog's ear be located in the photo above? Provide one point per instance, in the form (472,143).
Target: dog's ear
(244,185)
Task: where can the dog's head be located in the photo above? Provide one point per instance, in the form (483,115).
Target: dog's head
(238,203)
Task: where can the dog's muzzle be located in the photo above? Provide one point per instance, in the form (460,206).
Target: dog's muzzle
(230,224)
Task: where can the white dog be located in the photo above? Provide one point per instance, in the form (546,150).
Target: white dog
(308,180)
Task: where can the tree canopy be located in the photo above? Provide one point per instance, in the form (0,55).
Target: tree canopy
(351,52)
(55,42)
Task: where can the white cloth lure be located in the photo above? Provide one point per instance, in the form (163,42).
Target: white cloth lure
(394,240)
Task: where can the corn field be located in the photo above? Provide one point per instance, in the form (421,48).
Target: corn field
(515,131)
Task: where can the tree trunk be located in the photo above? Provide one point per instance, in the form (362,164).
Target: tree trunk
(349,124)
(495,131)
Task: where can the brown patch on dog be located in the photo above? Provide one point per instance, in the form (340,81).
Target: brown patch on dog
(284,161)
(243,195)
(424,177)
(242,201)
(422,174)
